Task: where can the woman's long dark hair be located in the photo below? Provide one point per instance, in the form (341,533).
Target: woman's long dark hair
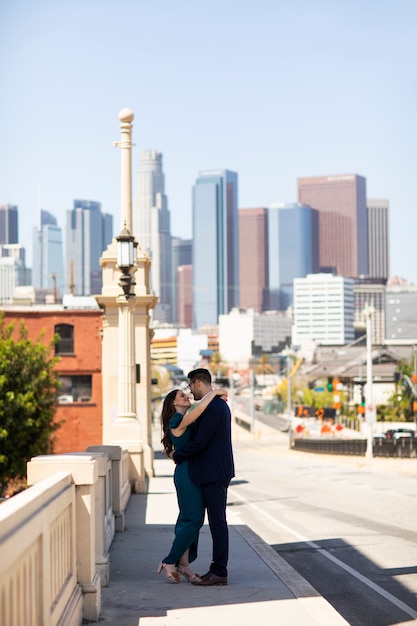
(168,411)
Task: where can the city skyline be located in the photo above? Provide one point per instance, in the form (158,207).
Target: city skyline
(275,244)
(378,210)
(272,92)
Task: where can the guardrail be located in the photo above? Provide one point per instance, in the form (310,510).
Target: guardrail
(56,535)
(404,447)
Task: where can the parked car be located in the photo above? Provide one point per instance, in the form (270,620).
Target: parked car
(380,436)
(400,433)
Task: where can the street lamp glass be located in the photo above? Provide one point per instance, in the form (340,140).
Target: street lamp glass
(125,256)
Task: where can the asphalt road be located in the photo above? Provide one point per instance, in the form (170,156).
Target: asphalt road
(346,525)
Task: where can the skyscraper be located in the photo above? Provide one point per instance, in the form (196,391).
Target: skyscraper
(253,258)
(48,255)
(215,246)
(182,255)
(401,313)
(293,246)
(88,233)
(9,232)
(378,240)
(152,228)
(13,270)
(369,291)
(185,295)
(343,221)
(323,309)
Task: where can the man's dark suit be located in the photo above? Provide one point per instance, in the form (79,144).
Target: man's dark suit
(210,463)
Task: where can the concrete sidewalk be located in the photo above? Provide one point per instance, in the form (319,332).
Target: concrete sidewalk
(262,587)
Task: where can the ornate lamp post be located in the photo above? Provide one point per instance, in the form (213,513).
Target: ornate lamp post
(126,262)
(126,301)
(126,259)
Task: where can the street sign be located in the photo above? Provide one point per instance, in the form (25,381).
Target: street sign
(318,389)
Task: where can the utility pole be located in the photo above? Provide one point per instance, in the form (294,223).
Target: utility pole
(288,353)
(252,400)
(370,407)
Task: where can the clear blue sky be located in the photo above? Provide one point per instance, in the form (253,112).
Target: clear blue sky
(272,89)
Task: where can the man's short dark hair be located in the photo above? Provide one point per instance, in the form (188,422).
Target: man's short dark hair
(200,374)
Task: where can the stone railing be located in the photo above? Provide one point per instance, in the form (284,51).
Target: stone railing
(55,537)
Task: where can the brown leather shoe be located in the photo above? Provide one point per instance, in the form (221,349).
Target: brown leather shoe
(210,580)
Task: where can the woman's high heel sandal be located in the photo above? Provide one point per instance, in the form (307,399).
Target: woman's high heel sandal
(171,575)
(187,572)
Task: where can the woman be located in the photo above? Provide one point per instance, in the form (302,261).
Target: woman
(176,432)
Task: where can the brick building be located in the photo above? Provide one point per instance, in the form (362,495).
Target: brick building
(80,404)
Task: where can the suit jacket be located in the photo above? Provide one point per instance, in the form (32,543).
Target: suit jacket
(209,451)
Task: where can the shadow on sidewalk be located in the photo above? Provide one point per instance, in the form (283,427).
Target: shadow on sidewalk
(137,591)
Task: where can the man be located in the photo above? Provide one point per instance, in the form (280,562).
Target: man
(210,464)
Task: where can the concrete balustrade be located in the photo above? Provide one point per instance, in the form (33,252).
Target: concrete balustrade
(121,487)
(38,569)
(103,514)
(85,474)
(55,537)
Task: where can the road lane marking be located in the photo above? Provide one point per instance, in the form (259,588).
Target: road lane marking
(363,579)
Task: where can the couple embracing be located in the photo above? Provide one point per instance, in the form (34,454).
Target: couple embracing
(200,443)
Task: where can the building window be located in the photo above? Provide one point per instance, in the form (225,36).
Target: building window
(75,389)
(65,343)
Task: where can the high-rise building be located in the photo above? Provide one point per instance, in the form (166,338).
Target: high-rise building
(152,228)
(9,231)
(185,295)
(182,254)
(14,250)
(48,255)
(13,272)
(245,334)
(88,233)
(378,238)
(182,251)
(215,246)
(370,292)
(343,221)
(253,258)
(323,309)
(293,244)
(401,313)
(9,268)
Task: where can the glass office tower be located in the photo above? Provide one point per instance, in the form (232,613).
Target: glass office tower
(8,224)
(215,246)
(293,243)
(88,233)
(48,254)
(152,228)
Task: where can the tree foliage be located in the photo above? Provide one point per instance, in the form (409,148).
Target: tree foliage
(217,366)
(399,405)
(264,365)
(28,392)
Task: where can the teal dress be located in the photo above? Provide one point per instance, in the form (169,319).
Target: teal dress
(190,502)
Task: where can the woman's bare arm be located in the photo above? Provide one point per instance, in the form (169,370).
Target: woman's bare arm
(195,413)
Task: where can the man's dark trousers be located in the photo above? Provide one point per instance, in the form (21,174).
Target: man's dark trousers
(214,497)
